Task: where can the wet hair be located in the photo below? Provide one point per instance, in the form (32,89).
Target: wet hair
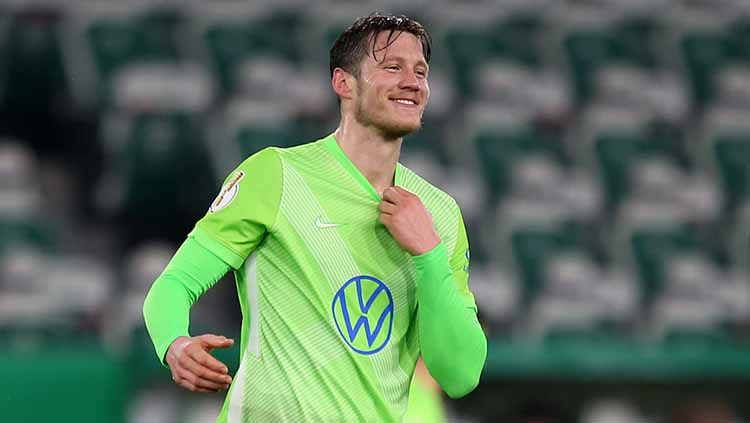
(359,39)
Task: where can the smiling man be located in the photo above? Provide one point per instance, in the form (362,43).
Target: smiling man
(348,265)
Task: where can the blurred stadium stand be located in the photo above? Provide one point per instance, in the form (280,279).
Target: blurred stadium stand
(600,150)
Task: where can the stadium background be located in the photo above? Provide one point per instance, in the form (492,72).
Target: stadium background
(600,151)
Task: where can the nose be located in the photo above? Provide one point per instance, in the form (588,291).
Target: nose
(409,81)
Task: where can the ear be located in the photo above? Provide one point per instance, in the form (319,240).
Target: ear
(342,83)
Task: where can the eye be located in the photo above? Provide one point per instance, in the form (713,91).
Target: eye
(421,73)
(393,67)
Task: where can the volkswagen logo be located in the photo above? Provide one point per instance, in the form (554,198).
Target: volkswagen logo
(363,312)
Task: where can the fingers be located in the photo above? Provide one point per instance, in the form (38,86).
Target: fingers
(194,368)
(191,383)
(193,376)
(189,376)
(215,341)
(206,373)
(392,195)
(387,207)
(206,360)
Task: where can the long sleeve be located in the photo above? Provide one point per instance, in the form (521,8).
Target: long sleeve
(453,344)
(166,310)
(235,224)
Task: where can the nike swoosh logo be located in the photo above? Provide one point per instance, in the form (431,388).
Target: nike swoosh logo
(325,225)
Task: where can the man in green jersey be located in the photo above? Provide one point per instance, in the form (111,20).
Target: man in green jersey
(348,265)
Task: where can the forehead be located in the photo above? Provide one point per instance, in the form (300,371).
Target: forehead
(404,45)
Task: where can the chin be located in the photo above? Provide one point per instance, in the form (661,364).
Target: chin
(400,129)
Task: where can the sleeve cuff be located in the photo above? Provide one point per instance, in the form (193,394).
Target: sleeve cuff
(211,244)
(437,255)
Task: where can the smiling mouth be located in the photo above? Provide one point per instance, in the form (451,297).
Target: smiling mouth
(405,101)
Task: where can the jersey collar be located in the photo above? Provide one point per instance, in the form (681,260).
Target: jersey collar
(333,147)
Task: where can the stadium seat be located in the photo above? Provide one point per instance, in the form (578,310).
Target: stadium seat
(511,38)
(163,87)
(166,175)
(233,40)
(738,237)
(651,246)
(541,91)
(738,34)
(658,179)
(256,125)
(593,38)
(732,153)
(21,219)
(580,298)
(704,53)
(680,321)
(646,234)
(733,86)
(33,68)
(498,295)
(618,150)
(498,145)
(530,244)
(45,294)
(587,50)
(662,94)
(116,37)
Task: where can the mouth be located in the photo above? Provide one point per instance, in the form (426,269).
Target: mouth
(405,102)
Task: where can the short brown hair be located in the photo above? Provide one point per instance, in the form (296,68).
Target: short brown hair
(358,40)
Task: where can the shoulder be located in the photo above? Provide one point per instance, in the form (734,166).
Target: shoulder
(310,149)
(272,156)
(263,160)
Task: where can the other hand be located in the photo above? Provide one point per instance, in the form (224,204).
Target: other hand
(194,368)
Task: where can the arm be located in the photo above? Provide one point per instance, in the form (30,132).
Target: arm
(453,344)
(452,341)
(236,223)
(190,273)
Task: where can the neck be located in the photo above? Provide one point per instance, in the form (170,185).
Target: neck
(375,156)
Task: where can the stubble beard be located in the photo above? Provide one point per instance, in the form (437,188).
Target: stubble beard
(388,130)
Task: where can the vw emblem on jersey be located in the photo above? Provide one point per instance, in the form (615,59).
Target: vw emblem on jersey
(363,313)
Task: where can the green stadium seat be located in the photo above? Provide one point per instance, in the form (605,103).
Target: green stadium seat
(168,179)
(231,42)
(515,38)
(618,150)
(27,231)
(653,246)
(587,50)
(533,246)
(512,39)
(630,41)
(498,148)
(704,53)
(118,41)
(35,72)
(738,237)
(738,35)
(732,154)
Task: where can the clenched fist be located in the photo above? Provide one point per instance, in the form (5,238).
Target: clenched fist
(194,368)
(408,221)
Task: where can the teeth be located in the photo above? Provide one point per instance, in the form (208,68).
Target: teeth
(410,102)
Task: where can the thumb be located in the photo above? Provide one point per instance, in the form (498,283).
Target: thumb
(215,341)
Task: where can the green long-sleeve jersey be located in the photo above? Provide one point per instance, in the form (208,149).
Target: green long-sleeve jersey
(335,313)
